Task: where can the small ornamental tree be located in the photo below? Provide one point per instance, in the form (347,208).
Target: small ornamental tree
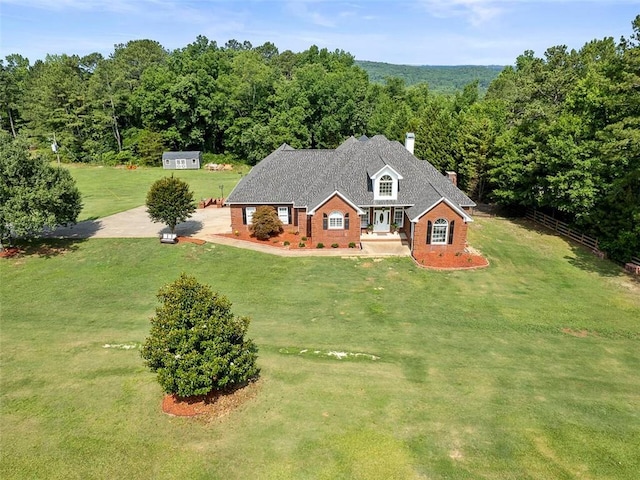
(196,345)
(170,201)
(265,223)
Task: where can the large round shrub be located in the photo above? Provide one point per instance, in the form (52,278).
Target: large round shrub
(196,344)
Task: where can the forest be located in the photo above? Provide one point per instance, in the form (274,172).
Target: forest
(559,132)
(440,78)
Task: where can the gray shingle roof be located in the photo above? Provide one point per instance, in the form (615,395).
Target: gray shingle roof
(305,178)
(180,155)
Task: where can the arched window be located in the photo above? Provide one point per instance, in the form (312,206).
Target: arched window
(385,187)
(336,221)
(439,233)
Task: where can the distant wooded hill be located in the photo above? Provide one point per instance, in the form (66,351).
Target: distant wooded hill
(442,79)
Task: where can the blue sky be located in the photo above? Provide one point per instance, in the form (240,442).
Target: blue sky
(418,32)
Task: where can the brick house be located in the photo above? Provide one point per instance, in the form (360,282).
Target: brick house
(365,185)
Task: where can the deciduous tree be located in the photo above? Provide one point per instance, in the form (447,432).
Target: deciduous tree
(170,201)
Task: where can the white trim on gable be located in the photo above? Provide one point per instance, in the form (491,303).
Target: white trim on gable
(457,209)
(357,209)
(387,169)
(389,172)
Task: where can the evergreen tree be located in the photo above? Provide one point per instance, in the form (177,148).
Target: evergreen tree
(196,344)
(33,194)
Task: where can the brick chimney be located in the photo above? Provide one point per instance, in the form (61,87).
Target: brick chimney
(410,141)
(453,177)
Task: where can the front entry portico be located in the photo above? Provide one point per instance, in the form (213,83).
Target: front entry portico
(381,220)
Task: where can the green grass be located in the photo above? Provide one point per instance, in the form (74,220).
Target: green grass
(109,190)
(525,370)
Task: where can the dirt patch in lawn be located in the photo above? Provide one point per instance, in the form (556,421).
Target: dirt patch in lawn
(576,333)
(211,406)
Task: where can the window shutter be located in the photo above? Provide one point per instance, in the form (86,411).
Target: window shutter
(429,227)
(289,212)
(244,216)
(346,222)
(451,231)
(325,221)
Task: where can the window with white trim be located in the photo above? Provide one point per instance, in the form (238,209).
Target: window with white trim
(249,211)
(385,186)
(364,219)
(336,221)
(398,217)
(439,233)
(283,214)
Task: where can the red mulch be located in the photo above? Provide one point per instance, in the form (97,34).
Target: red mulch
(197,241)
(451,261)
(213,405)
(9,252)
(276,241)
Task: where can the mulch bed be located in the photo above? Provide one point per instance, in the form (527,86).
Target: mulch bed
(451,261)
(277,241)
(197,241)
(211,406)
(9,252)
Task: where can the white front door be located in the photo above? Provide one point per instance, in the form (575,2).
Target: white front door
(181,163)
(381,220)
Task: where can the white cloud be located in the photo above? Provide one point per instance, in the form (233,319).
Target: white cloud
(301,10)
(476,12)
(122,6)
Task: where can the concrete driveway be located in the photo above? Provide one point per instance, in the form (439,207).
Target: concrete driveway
(205,224)
(135,223)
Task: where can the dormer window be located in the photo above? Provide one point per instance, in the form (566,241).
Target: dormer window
(385,183)
(385,188)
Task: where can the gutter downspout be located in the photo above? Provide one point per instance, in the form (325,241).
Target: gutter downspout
(412,239)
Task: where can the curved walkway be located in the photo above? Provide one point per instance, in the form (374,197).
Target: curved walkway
(379,249)
(208,224)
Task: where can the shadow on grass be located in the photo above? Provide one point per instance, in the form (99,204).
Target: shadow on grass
(583,257)
(586,260)
(47,247)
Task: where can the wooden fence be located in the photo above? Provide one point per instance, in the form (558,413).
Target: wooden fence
(633,266)
(562,228)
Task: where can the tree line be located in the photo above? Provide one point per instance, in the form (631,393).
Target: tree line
(441,78)
(559,132)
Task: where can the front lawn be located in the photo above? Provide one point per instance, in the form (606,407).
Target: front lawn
(109,190)
(526,370)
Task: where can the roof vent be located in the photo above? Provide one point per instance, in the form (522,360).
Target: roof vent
(409,142)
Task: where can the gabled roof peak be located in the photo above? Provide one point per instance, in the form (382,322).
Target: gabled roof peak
(387,168)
